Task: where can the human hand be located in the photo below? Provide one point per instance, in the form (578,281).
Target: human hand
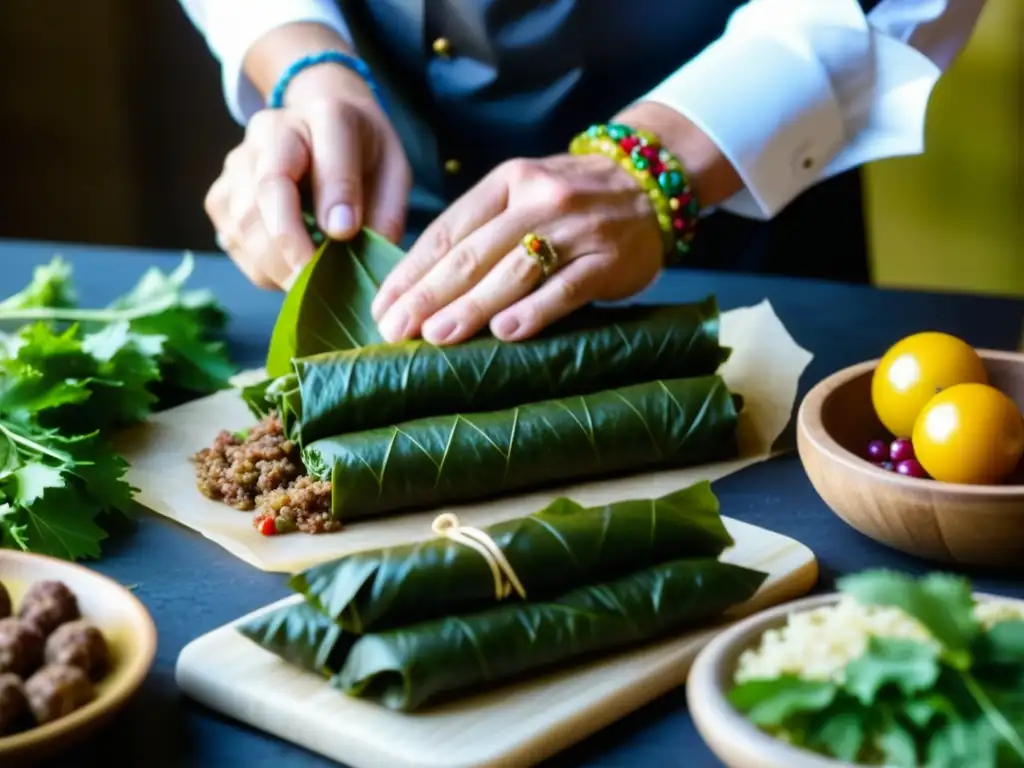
(331,131)
(469,270)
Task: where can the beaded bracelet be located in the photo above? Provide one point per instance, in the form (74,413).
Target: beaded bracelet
(276,100)
(660,174)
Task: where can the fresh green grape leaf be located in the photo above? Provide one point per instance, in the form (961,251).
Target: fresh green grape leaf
(770,703)
(943,604)
(328,306)
(909,665)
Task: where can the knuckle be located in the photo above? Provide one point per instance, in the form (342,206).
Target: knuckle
(442,239)
(421,302)
(465,261)
(555,193)
(472,310)
(524,269)
(519,169)
(236,159)
(570,290)
(261,122)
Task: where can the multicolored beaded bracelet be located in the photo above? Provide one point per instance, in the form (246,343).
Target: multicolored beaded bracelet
(657,170)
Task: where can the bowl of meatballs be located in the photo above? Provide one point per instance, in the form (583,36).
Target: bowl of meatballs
(74,647)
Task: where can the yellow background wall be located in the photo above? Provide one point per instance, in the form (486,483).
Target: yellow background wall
(953,218)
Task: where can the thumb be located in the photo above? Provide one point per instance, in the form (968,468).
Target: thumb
(337,174)
(386,206)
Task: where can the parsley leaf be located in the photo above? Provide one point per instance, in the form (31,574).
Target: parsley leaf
(772,702)
(909,665)
(942,603)
(69,377)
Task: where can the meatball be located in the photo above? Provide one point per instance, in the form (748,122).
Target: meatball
(47,605)
(21,647)
(5,602)
(79,644)
(13,704)
(56,691)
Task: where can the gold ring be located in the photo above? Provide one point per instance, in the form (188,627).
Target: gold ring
(540,248)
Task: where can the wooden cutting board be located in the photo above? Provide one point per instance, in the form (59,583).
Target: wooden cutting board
(515,725)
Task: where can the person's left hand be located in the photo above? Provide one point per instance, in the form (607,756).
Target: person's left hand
(469,269)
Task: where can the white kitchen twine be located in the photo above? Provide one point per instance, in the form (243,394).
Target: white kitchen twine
(505,579)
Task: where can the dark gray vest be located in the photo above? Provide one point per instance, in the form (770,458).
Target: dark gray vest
(471,83)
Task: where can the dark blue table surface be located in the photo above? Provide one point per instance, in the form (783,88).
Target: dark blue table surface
(191,586)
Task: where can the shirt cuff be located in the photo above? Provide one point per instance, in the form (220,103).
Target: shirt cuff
(233,27)
(768,105)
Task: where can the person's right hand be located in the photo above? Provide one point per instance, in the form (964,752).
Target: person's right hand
(333,133)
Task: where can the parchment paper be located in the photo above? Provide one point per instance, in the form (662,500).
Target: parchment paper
(765,367)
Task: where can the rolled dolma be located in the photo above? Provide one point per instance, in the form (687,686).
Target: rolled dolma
(558,548)
(302,636)
(407,668)
(457,458)
(352,390)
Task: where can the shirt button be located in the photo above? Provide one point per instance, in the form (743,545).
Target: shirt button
(443,47)
(452,166)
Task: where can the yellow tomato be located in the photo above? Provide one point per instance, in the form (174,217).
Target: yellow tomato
(970,433)
(914,370)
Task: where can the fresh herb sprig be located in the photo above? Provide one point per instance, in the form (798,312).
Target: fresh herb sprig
(70,376)
(955,703)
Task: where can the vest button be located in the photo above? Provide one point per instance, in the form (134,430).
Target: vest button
(452,166)
(442,47)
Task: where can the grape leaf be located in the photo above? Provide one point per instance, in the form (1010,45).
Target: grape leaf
(909,665)
(771,702)
(328,306)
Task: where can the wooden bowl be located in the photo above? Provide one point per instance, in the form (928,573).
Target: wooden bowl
(735,740)
(125,624)
(947,522)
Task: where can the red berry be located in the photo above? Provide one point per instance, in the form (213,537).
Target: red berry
(268,527)
(878,451)
(911,468)
(901,449)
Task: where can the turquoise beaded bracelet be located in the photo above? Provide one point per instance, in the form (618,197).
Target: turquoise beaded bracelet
(660,174)
(276,100)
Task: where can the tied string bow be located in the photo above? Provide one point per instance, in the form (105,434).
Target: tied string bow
(505,579)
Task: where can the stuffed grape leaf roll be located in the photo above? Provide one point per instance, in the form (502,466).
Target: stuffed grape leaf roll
(560,547)
(352,390)
(414,666)
(463,457)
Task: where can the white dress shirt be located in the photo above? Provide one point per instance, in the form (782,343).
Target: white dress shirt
(793,92)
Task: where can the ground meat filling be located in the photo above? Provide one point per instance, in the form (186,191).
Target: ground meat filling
(263,471)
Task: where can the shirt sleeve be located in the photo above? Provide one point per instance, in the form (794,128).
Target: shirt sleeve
(232,26)
(797,91)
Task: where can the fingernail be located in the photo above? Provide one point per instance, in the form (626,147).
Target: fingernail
(394,327)
(340,220)
(440,331)
(506,327)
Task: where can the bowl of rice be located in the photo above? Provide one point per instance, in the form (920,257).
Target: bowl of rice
(828,647)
